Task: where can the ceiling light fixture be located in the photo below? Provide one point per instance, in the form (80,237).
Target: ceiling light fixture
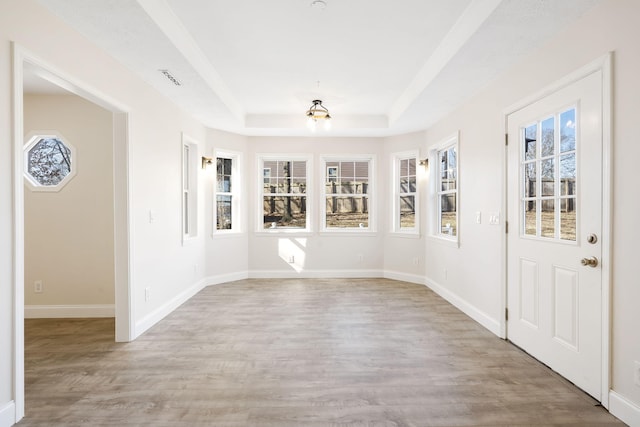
(316,112)
(319,4)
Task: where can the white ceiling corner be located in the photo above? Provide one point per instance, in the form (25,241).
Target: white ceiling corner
(382,68)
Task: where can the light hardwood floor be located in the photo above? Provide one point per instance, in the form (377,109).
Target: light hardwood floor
(337,352)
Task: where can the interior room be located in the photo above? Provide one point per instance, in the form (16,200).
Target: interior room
(356,212)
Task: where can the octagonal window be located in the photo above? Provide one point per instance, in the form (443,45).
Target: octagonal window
(49,162)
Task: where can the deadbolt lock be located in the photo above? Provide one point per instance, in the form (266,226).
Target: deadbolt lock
(592,238)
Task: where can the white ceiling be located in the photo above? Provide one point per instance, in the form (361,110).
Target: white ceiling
(253,67)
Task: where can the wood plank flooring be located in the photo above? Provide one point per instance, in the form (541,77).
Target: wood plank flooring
(327,352)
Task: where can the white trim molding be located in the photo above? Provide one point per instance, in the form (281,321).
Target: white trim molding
(623,408)
(314,274)
(405,277)
(8,414)
(69,311)
(461,304)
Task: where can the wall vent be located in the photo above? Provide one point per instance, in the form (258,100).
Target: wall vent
(170,77)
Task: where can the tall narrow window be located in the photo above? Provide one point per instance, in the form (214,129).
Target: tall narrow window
(226,211)
(446,192)
(189,188)
(405,195)
(284,193)
(347,194)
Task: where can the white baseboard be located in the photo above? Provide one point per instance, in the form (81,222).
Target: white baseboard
(69,311)
(314,274)
(479,316)
(225,278)
(165,309)
(625,410)
(8,414)
(405,277)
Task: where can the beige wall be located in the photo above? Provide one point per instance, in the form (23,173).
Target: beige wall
(69,233)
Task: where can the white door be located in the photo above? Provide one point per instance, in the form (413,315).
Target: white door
(554,243)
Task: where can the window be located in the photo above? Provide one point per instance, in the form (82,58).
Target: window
(284,193)
(189,188)
(405,196)
(49,162)
(347,193)
(446,191)
(227,186)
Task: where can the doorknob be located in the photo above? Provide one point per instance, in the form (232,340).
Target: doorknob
(591,262)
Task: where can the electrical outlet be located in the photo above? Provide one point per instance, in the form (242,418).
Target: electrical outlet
(636,373)
(37,287)
(147,294)
(292,259)
(360,258)
(445,274)
(416,260)
(478,217)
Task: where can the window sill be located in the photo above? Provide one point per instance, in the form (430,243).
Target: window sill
(226,234)
(282,232)
(354,232)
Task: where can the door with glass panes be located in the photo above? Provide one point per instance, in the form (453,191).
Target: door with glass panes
(554,244)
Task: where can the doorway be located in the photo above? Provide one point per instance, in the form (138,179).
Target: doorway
(558,239)
(124,330)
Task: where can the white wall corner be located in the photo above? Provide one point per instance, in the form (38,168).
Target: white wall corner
(405,277)
(69,311)
(8,414)
(167,308)
(624,409)
(461,304)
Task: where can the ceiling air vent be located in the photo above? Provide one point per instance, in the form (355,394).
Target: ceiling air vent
(170,77)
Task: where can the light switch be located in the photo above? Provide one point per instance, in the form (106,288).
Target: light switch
(478,217)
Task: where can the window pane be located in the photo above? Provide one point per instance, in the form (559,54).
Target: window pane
(412,184)
(530,217)
(404,185)
(530,136)
(548,181)
(284,211)
(448,223)
(568,219)
(568,130)
(404,167)
(347,212)
(548,218)
(407,212)
(548,137)
(223,213)
(412,167)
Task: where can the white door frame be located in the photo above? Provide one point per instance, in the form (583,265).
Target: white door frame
(603,64)
(121,153)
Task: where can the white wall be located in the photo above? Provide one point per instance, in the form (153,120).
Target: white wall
(155,128)
(69,233)
(316,253)
(612,26)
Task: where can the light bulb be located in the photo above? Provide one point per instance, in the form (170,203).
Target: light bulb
(327,124)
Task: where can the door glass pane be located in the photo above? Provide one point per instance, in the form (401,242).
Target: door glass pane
(547,218)
(568,130)
(530,135)
(530,179)
(548,181)
(568,175)
(548,137)
(530,217)
(568,219)
(448,214)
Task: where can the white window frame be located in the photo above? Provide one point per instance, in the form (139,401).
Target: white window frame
(235,193)
(190,155)
(259,213)
(33,138)
(396,228)
(436,192)
(371,193)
